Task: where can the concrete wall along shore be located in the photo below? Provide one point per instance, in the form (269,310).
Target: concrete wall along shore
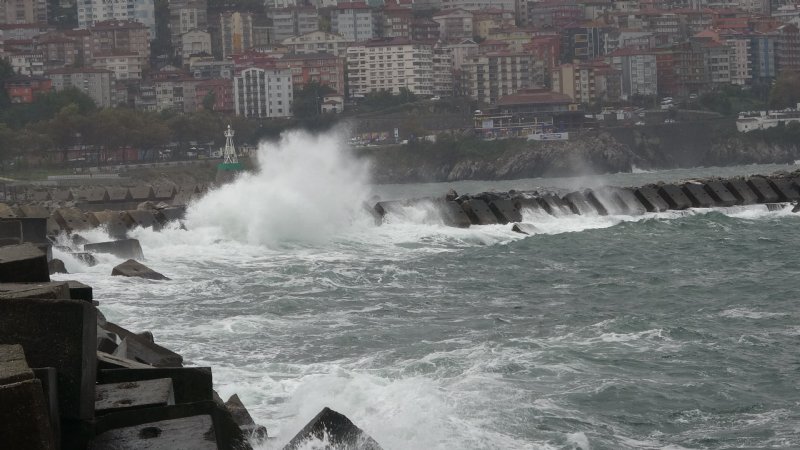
(505,207)
(70,379)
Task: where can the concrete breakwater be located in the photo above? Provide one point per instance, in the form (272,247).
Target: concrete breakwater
(489,208)
(71,379)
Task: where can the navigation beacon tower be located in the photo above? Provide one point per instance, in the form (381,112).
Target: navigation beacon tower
(230,165)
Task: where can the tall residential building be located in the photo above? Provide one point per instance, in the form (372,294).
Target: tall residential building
(289,22)
(475,5)
(23,11)
(96,83)
(443,80)
(126,66)
(59,50)
(92,11)
(787,48)
(185,16)
(263,92)
(388,65)
(237,32)
(317,42)
(121,37)
(454,25)
(639,72)
(322,68)
(487,77)
(194,43)
(356,22)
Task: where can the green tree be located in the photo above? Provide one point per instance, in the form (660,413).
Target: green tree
(786,91)
(307,102)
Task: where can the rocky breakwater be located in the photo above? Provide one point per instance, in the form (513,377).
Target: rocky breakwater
(70,379)
(775,191)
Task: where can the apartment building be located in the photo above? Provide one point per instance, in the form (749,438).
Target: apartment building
(487,77)
(119,36)
(356,22)
(237,32)
(638,70)
(389,65)
(263,92)
(185,16)
(194,42)
(93,11)
(454,25)
(218,90)
(205,68)
(322,68)
(126,66)
(289,22)
(443,75)
(23,11)
(317,42)
(96,83)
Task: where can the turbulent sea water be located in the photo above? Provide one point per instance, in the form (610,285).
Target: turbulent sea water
(675,330)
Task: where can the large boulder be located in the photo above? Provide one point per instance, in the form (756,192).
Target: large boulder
(133,268)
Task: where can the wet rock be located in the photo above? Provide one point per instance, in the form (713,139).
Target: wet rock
(56,266)
(190,384)
(23,263)
(451,195)
(125,248)
(133,394)
(242,418)
(524,228)
(133,268)
(50,290)
(339,430)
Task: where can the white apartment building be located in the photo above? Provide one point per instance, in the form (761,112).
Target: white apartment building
(388,65)
(476,5)
(443,81)
(317,42)
(126,66)
(639,74)
(91,11)
(263,93)
(288,22)
(195,42)
(487,77)
(741,61)
(355,22)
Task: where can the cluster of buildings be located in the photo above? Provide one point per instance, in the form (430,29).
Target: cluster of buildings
(521,57)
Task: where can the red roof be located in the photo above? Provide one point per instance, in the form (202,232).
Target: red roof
(535,97)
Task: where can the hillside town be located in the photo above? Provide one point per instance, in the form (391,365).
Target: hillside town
(527,66)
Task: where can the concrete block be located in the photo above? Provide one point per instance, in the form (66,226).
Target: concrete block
(531,205)
(741,190)
(190,384)
(649,197)
(60,334)
(133,394)
(80,291)
(109,361)
(123,248)
(49,290)
(145,427)
(524,228)
(453,214)
(183,198)
(7,212)
(786,189)
(34,211)
(340,432)
(774,206)
(763,190)
(111,221)
(38,196)
(137,349)
(23,263)
(62,195)
(242,418)
(133,268)
(506,210)
(118,194)
(13,366)
(170,214)
(24,418)
(479,212)
(698,195)
(721,195)
(34,229)
(674,196)
(10,232)
(140,218)
(56,266)
(48,377)
(106,341)
(578,204)
(595,201)
(620,201)
(164,192)
(71,219)
(84,257)
(393,207)
(554,205)
(97,195)
(142,193)
(184,433)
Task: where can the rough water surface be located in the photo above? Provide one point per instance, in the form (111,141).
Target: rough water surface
(677,330)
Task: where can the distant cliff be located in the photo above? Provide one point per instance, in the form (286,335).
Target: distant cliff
(662,146)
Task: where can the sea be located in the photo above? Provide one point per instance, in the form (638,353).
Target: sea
(678,330)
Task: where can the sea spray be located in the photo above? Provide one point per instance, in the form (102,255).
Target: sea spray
(307,188)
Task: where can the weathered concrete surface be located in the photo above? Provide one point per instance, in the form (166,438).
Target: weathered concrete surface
(721,194)
(71,219)
(340,432)
(453,215)
(13,366)
(787,190)
(140,218)
(24,419)
(184,433)
(763,190)
(506,210)
(133,394)
(111,221)
(23,263)
(56,265)
(133,268)
(650,199)
(137,349)
(698,195)
(80,291)
(242,418)
(674,197)
(744,195)
(554,205)
(48,377)
(107,361)
(524,228)
(124,248)
(479,212)
(190,384)
(47,290)
(578,204)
